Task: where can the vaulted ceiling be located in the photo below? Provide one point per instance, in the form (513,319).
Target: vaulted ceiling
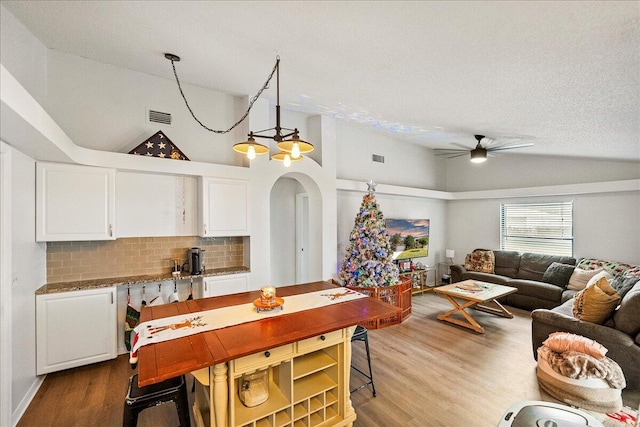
(562,75)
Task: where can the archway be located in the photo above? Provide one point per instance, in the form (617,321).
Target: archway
(296,230)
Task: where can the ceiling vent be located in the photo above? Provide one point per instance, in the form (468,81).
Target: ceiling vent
(377,158)
(154,116)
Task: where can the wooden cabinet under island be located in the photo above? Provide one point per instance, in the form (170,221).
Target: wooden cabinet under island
(307,355)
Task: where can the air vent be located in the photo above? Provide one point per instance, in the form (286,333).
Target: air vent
(377,158)
(154,116)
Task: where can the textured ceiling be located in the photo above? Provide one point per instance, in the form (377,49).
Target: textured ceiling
(563,75)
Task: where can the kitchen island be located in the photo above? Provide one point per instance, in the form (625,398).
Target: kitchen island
(307,355)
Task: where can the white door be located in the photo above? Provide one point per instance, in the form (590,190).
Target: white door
(302,238)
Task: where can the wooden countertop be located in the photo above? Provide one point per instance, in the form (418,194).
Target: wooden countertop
(158,362)
(79,285)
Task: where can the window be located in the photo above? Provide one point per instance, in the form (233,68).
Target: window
(545,228)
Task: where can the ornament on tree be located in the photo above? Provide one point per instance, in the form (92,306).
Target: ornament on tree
(369,259)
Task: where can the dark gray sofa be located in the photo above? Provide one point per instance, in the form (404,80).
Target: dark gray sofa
(620,334)
(523,271)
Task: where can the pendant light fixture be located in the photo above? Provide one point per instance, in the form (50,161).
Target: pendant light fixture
(289,142)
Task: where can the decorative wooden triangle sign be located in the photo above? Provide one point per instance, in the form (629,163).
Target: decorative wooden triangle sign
(159,145)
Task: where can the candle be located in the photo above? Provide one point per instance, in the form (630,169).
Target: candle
(268,295)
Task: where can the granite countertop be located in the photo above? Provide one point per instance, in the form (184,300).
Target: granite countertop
(79,285)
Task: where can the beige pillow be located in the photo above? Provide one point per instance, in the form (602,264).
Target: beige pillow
(565,341)
(595,303)
(579,278)
(480,260)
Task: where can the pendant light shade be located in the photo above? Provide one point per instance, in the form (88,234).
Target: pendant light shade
(286,158)
(295,146)
(251,148)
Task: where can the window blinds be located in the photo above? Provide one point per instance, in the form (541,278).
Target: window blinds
(545,228)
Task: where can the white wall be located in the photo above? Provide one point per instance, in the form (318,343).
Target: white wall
(23,55)
(518,171)
(283,231)
(404,164)
(28,274)
(606,226)
(103,107)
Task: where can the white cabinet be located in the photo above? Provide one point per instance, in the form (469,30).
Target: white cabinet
(224,285)
(224,207)
(75,328)
(74,202)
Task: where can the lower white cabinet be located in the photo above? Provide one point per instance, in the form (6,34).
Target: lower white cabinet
(75,328)
(215,286)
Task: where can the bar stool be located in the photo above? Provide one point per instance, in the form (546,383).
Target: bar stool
(141,398)
(360,334)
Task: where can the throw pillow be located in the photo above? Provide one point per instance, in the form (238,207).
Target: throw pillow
(595,303)
(558,274)
(579,278)
(565,341)
(623,284)
(480,260)
(599,276)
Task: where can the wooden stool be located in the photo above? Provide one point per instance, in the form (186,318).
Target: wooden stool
(360,334)
(140,398)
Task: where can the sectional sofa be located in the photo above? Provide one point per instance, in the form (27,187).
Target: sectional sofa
(552,305)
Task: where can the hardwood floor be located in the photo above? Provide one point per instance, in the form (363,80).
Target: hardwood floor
(426,372)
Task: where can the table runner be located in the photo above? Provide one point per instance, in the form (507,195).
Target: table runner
(168,328)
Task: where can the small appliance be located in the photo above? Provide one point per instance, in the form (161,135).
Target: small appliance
(534,413)
(195,260)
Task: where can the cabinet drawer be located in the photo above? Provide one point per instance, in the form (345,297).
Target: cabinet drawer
(262,359)
(319,341)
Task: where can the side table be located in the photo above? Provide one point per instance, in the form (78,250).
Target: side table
(420,280)
(444,273)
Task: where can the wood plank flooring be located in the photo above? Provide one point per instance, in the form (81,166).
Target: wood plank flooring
(426,372)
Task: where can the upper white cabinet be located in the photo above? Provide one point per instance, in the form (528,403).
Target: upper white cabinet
(74,202)
(224,207)
(75,328)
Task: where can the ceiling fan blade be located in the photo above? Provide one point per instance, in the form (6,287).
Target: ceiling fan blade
(510,147)
(486,141)
(441,151)
(457,155)
(461,146)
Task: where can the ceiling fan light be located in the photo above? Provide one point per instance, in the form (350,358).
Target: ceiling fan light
(478,155)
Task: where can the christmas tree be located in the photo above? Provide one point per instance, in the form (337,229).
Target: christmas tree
(369,258)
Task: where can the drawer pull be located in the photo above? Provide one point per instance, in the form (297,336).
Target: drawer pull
(322,338)
(267,354)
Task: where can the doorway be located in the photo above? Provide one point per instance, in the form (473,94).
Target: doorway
(302,238)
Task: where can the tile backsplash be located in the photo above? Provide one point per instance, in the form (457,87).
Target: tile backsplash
(133,256)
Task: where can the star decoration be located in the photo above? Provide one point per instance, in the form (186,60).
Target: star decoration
(161,154)
(162,145)
(149,144)
(371,186)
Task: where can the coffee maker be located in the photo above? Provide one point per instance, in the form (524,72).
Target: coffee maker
(195,260)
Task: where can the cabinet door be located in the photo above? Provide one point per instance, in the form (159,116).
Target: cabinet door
(224,207)
(74,202)
(225,285)
(75,328)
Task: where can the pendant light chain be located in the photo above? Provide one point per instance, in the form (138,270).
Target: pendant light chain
(253,100)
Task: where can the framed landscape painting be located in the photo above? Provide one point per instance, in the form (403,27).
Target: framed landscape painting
(409,237)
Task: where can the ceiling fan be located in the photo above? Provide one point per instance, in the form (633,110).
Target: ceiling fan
(484,146)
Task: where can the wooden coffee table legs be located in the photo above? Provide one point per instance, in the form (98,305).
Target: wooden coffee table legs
(470,321)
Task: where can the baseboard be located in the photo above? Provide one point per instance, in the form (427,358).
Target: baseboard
(26,400)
